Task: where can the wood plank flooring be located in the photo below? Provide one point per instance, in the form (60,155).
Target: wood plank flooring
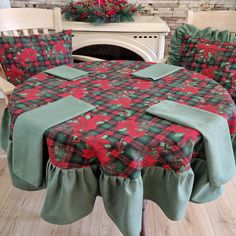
(20,215)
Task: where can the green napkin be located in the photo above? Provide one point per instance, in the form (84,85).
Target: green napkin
(216,136)
(156,71)
(66,72)
(28,158)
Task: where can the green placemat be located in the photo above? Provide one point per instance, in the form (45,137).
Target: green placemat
(216,136)
(28,152)
(156,71)
(66,72)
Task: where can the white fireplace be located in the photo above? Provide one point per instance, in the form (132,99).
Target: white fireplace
(145,36)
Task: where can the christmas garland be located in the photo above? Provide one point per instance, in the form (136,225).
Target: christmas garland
(101,11)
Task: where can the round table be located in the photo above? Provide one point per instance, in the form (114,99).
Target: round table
(119,137)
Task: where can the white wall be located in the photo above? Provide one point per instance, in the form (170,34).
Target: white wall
(5,4)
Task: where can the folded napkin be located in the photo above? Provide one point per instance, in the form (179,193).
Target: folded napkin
(66,72)
(215,132)
(28,134)
(156,71)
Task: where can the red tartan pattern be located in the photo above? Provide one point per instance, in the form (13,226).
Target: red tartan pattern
(25,56)
(119,135)
(216,60)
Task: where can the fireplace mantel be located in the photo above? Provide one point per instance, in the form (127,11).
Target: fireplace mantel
(145,36)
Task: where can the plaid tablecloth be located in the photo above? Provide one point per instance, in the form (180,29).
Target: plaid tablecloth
(119,136)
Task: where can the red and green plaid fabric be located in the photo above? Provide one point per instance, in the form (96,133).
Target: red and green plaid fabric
(119,135)
(214,59)
(24,56)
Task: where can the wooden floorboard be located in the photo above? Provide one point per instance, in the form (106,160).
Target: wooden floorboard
(2,105)
(2,154)
(234,182)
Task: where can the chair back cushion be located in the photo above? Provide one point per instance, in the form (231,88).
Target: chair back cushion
(209,52)
(25,56)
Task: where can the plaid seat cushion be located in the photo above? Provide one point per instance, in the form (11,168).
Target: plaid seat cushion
(207,51)
(214,59)
(25,56)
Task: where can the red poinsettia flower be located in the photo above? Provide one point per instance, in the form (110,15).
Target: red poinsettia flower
(59,47)
(115,153)
(143,84)
(78,92)
(130,127)
(161,137)
(111,13)
(27,55)
(232,60)
(2,51)
(101,10)
(149,160)
(124,102)
(102,69)
(32,94)
(102,154)
(209,107)
(97,148)
(79,3)
(135,164)
(209,72)
(188,89)
(97,13)
(85,123)
(127,139)
(166,167)
(232,122)
(41,76)
(185,161)
(83,16)
(101,2)
(100,138)
(208,49)
(73,10)
(89,153)
(104,84)
(13,73)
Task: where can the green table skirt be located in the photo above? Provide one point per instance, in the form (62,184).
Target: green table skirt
(71,193)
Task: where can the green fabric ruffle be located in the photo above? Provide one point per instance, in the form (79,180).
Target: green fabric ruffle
(5,130)
(123,201)
(16,180)
(71,193)
(191,30)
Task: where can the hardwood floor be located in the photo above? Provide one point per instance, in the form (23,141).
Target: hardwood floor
(20,215)
(2,105)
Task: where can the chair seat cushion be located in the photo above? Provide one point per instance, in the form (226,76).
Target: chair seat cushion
(209,52)
(25,56)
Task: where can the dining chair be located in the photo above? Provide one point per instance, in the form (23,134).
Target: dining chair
(26,21)
(220,20)
(207,45)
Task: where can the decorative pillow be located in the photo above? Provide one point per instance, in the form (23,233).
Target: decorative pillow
(212,53)
(214,59)
(25,56)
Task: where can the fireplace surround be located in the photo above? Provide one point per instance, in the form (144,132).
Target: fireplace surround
(145,37)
